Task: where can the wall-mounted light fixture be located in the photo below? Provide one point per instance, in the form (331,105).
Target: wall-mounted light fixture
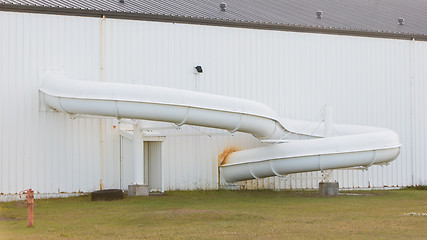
(198,70)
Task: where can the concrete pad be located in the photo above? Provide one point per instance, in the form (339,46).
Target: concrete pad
(328,189)
(138,190)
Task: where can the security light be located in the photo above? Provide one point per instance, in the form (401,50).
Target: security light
(198,69)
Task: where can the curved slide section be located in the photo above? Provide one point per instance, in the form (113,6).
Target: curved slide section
(356,145)
(177,106)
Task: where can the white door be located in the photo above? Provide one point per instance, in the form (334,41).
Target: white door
(126,162)
(153,165)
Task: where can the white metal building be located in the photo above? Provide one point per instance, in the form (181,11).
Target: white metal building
(355,57)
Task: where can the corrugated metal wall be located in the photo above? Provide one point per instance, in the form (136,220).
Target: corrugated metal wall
(44,150)
(368,81)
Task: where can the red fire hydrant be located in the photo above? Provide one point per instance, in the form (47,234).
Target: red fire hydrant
(30,205)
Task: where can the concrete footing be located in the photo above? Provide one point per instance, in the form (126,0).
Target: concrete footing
(138,190)
(328,189)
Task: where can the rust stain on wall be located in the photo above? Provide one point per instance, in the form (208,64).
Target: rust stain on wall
(222,157)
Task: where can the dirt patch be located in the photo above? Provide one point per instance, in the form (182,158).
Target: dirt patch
(20,204)
(189,211)
(416,214)
(8,219)
(206,214)
(357,194)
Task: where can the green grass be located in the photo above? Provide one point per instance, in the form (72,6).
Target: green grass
(224,215)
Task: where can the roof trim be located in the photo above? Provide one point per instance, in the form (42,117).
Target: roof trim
(207,21)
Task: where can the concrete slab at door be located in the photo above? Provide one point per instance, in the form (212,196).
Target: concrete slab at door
(138,190)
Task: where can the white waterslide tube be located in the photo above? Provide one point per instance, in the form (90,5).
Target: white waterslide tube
(356,146)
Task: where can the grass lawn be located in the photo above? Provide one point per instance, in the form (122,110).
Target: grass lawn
(224,215)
